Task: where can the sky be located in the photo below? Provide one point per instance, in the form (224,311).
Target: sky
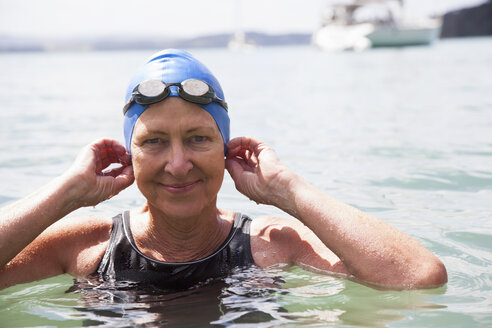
(176,18)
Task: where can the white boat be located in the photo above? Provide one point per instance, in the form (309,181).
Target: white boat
(372,23)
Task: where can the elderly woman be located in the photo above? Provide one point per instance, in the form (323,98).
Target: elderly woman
(177,148)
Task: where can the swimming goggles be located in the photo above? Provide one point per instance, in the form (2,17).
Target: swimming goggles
(193,90)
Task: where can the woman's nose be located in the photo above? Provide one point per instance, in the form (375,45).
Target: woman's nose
(178,164)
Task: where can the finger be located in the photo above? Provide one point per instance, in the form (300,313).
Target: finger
(103,160)
(255,146)
(114,172)
(243,164)
(118,151)
(239,143)
(251,158)
(246,159)
(109,151)
(242,153)
(110,143)
(125,159)
(234,143)
(239,172)
(242,141)
(114,185)
(124,179)
(235,170)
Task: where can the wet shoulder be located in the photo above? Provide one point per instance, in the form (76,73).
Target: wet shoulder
(83,227)
(264,226)
(274,240)
(81,242)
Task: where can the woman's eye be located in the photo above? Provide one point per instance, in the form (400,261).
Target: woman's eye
(198,138)
(152,141)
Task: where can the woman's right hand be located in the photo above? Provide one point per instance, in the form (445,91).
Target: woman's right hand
(91,184)
(84,184)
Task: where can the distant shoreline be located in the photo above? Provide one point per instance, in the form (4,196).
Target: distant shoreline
(11,44)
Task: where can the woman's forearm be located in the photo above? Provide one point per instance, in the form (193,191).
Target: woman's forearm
(372,250)
(22,221)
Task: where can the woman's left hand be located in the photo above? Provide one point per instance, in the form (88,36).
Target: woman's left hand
(257,171)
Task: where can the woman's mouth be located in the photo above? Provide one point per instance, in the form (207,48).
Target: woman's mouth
(178,188)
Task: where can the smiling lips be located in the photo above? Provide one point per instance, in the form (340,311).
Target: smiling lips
(178,188)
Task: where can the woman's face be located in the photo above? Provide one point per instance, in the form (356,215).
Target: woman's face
(178,157)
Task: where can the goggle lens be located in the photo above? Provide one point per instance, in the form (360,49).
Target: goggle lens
(195,87)
(151,88)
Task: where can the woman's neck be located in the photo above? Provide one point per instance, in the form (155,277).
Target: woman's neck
(180,239)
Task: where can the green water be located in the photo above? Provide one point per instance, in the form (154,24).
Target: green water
(303,298)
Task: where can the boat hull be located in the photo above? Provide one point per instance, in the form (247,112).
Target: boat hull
(342,38)
(400,37)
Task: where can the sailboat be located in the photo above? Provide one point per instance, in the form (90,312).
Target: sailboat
(239,42)
(372,23)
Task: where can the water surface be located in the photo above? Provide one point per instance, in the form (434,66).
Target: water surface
(404,134)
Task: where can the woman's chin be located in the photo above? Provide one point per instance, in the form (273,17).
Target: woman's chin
(178,210)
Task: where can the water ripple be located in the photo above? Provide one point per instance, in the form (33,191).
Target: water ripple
(456,180)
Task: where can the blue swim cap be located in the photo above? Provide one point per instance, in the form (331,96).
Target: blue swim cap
(174,66)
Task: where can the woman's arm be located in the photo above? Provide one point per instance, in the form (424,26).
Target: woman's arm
(370,249)
(84,184)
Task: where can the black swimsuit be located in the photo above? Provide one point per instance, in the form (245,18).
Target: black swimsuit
(123,262)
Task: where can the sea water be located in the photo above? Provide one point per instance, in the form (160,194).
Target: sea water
(403,134)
